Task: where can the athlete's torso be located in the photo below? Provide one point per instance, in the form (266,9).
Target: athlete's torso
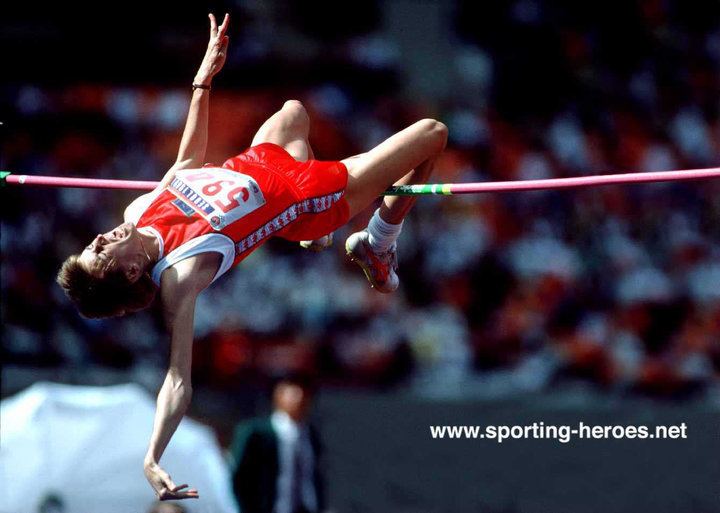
(232,210)
(217,210)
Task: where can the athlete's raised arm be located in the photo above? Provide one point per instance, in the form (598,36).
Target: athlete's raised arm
(194,139)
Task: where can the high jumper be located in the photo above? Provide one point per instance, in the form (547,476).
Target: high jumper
(201,220)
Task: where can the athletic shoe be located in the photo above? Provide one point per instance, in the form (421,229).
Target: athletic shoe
(380,268)
(318,245)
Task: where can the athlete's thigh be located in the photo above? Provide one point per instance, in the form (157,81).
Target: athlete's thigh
(297,148)
(288,128)
(369,174)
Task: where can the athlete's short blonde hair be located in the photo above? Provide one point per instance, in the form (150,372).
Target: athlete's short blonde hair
(110,296)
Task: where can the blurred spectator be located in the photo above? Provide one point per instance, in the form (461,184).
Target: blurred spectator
(52,503)
(275,460)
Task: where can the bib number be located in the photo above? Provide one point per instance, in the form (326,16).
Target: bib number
(219,195)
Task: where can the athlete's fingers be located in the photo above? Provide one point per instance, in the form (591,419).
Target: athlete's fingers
(213,25)
(224,25)
(166,495)
(178,488)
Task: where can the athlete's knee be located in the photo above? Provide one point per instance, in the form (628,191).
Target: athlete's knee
(294,105)
(435,132)
(295,113)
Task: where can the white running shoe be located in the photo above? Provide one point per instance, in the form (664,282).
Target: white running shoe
(380,268)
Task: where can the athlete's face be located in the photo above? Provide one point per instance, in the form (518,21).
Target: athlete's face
(116,250)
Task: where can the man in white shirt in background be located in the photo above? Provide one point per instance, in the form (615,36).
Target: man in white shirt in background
(275,459)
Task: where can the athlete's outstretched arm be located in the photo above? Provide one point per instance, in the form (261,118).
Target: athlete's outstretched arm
(180,286)
(172,401)
(194,139)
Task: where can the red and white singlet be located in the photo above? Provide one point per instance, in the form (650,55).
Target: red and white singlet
(234,209)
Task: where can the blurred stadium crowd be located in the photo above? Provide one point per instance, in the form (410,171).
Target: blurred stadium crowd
(616,286)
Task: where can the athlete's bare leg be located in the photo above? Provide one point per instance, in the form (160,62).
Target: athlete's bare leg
(289,127)
(415,148)
(371,173)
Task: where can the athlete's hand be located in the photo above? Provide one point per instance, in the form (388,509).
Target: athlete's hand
(216,52)
(163,485)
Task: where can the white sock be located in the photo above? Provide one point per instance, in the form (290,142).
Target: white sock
(382,234)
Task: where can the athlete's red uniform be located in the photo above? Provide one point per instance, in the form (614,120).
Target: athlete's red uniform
(235,208)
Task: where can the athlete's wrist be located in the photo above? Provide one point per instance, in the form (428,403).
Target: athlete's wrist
(204,81)
(149,461)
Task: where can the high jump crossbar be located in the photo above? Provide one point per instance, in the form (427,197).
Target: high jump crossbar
(9,178)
